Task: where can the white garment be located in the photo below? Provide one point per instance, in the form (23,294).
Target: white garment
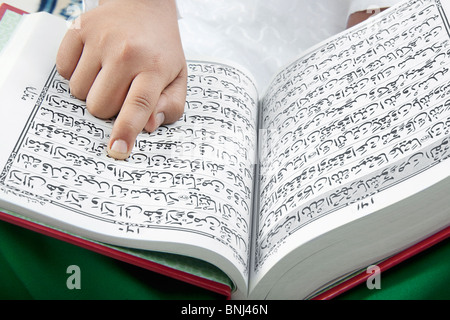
(353,5)
(262,36)
(89,4)
(361,5)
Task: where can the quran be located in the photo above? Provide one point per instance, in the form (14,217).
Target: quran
(341,163)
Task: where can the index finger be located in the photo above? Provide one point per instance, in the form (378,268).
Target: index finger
(138,106)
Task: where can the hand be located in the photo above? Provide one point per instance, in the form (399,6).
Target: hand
(360,16)
(125,58)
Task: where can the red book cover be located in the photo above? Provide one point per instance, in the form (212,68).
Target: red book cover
(5,7)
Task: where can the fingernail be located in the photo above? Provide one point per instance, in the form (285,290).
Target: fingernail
(159,119)
(119,149)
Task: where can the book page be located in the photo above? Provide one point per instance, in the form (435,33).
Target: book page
(187,188)
(357,115)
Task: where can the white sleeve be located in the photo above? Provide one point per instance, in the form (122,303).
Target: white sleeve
(362,5)
(89,4)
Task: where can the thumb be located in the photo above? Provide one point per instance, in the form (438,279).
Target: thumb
(170,106)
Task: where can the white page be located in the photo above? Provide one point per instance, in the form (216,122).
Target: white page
(27,38)
(341,131)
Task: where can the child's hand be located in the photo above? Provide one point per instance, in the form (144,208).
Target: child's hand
(125,57)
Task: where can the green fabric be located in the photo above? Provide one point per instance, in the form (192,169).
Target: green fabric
(34,266)
(425,276)
(7,25)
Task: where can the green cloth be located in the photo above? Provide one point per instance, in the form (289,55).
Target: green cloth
(8,23)
(425,276)
(34,266)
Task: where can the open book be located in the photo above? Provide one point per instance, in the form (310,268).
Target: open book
(340,163)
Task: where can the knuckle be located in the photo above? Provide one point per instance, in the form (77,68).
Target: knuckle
(62,69)
(156,63)
(97,110)
(129,51)
(76,90)
(77,34)
(142,102)
(137,55)
(93,109)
